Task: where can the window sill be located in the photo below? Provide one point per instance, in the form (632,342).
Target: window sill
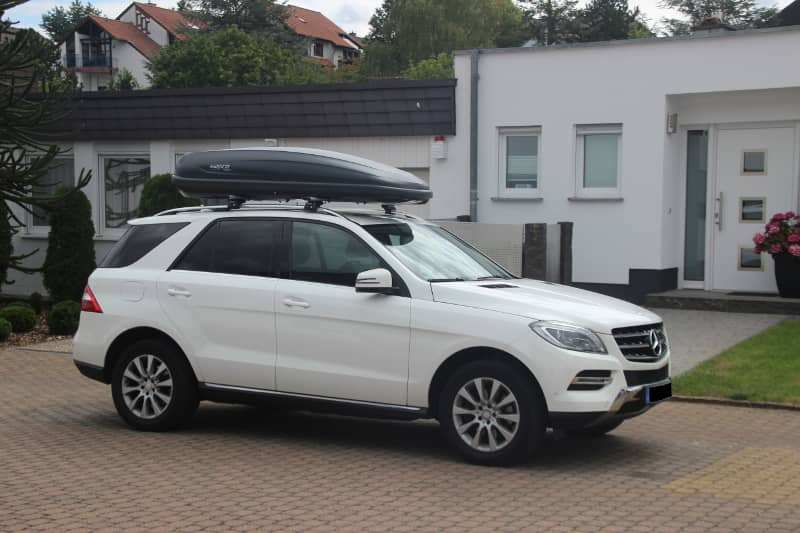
(517,198)
(595,199)
(34,236)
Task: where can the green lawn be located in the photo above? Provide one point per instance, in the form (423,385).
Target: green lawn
(763,368)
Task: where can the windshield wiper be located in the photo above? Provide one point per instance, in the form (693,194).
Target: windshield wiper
(444,280)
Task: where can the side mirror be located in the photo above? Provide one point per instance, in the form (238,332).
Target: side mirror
(377,280)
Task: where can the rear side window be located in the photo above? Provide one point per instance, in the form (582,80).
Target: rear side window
(138,241)
(244,247)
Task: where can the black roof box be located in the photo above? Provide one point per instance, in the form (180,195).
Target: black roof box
(295,173)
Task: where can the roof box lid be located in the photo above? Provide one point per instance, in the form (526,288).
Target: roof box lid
(295,173)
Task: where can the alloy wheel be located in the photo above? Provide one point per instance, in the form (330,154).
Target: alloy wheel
(147,386)
(486,414)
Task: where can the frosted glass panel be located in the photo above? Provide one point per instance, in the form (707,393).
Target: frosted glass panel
(694,263)
(124,180)
(522,161)
(600,162)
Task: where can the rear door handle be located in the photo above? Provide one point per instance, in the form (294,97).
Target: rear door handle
(291,302)
(172,291)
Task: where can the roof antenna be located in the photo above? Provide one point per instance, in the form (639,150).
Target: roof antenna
(389,209)
(312,204)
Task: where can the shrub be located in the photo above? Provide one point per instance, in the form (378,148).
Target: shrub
(5,329)
(70,247)
(22,319)
(6,249)
(24,305)
(63,318)
(159,194)
(37,301)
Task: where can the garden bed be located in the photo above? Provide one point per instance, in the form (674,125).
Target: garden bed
(38,334)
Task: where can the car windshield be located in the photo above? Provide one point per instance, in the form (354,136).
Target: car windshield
(435,254)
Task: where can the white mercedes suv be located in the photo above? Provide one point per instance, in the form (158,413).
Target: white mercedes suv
(374,313)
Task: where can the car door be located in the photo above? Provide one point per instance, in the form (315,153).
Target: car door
(333,341)
(220,294)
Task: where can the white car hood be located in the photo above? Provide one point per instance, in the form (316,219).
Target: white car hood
(541,300)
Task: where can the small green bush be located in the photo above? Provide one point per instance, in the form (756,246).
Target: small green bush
(37,302)
(24,305)
(22,318)
(5,329)
(63,318)
(159,194)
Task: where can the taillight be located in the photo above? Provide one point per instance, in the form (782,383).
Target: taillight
(89,302)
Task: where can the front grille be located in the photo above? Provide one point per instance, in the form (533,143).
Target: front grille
(636,343)
(642,377)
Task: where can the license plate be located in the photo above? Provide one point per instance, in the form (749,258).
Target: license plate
(658,393)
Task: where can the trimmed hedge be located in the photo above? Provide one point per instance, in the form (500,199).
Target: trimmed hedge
(159,194)
(5,329)
(70,246)
(22,318)
(24,305)
(63,318)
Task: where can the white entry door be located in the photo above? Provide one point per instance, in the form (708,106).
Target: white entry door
(754,179)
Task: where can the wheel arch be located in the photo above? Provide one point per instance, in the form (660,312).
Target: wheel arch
(468,355)
(128,337)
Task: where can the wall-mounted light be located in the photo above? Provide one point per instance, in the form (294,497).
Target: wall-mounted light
(439,147)
(672,123)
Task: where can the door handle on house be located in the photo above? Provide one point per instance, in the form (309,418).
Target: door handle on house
(172,291)
(291,302)
(718,211)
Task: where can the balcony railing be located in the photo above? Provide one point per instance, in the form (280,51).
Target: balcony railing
(78,61)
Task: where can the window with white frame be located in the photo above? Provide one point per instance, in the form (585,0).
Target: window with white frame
(318,49)
(519,161)
(598,161)
(123,180)
(60,174)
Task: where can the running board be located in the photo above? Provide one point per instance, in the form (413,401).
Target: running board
(216,392)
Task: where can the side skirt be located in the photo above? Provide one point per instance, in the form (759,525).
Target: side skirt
(215,392)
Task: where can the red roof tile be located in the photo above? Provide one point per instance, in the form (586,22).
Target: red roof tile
(125,31)
(172,21)
(314,24)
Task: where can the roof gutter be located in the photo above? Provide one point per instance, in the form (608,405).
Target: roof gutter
(473,135)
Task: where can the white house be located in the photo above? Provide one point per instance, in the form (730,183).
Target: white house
(100,47)
(667,154)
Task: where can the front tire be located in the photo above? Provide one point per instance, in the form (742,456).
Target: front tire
(492,414)
(153,387)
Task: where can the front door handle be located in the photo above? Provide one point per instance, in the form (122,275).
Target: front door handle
(718,211)
(292,302)
(172,291)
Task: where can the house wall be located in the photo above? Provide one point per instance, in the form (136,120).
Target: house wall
(126,56)
(156,31)
(627,82)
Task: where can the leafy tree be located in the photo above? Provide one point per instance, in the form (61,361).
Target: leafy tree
(607,20)
(266,17)
(407,31)
(554,21)
(123,81)
(159,194)
(736,13)
(33,96)
(58,22)
(436,67)
(228,57)
(70,247)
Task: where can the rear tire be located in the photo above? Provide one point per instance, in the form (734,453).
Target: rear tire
(153,387)
(492,414)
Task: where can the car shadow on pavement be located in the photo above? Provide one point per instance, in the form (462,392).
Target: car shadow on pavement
(418,438)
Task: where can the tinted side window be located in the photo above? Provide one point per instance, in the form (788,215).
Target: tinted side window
(137,242)
(326,254)
(245,247)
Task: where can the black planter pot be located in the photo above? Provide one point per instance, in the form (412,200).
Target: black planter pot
(787,275)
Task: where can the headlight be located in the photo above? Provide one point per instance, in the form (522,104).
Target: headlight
(569,337)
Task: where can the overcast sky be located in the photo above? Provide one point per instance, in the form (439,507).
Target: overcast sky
(351,15)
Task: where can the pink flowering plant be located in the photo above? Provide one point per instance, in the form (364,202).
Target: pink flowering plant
(781,235)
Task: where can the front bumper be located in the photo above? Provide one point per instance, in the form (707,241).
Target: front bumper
(629,402)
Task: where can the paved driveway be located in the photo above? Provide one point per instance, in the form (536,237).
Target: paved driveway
(68,463)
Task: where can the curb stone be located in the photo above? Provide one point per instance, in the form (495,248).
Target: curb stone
(737,403)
